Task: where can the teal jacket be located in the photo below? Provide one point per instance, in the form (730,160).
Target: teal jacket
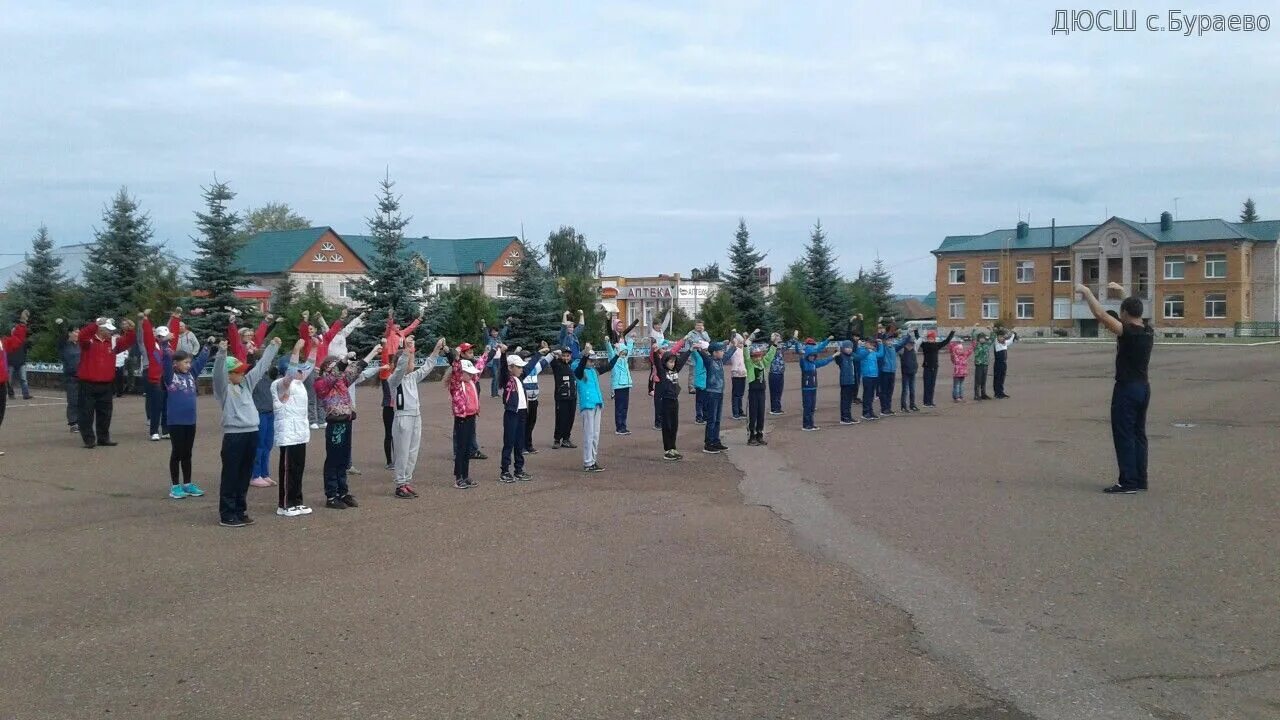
(589,395)
(621,369)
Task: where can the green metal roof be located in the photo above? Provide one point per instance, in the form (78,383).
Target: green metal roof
(277,251)
(1183,231)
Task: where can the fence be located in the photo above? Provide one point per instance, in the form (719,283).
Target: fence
(1258,329)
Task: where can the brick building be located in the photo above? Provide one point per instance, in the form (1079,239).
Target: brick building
(1195,277)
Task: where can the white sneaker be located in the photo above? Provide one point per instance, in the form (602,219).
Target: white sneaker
(302,509)
(315,426)
(287,512)
(155,438)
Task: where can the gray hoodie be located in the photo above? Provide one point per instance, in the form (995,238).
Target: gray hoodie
(404,384)
(239,412)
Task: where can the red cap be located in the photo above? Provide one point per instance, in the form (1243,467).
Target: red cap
(464,347)
(810,341)
(931,335)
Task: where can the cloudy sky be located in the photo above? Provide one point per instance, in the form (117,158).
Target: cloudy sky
(650,127)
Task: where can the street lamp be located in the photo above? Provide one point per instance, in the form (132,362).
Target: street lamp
(480,272)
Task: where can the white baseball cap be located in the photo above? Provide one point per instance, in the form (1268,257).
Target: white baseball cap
(516,360)
(162,332)
(469,367)
(106,324)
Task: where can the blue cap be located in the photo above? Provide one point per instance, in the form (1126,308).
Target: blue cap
(715,346)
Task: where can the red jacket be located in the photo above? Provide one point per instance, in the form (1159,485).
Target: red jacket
(391,341)
(98,357)
(237,348)
(327,338)
(8,345)
(308,341)
(155,367)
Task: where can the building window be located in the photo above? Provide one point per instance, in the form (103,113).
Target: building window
(1062,271)
(955,308)
(1215,306)
(956,274)
(1174,267)
(1173,307)
(344,289)
(336,257)
(990,308)
(504,289)
(1026,308)
(320,257)
(327,247)
(1215,265)
(1026,271)
(990,273)
(315,285)
(1061,308)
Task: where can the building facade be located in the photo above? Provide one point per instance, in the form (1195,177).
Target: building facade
(322,259)
(1196,278)
(648,297)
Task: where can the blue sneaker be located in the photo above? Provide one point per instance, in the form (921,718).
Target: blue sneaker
(192,490)
(176,492)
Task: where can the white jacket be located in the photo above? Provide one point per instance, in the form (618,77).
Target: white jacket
(338,345)
(292,425)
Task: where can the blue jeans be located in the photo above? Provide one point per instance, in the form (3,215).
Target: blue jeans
(1129,402)
(809,399)
(739,388)
(699,405)
(957,388)
(157,413)
(776,383)
(621,404)
(869,387)
(337,457)
(712,405)
(18,377)
(266,439)
(908,391)
(886,391)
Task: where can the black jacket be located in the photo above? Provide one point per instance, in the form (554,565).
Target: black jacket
(930,349)
(566,387)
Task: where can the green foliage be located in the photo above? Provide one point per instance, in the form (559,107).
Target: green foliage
(861,304)
(284,296)
(568,254)
(823,284)
(271,216)
(36,288)
(720,317)
(879,289)
(1250,212)
(742,283)
(68,304)
(794,311)
(681,323)
(456,314)
(312,301)
(216,272)
(710,272)
(396,279)
(117,259)
(533,303)
(161,288)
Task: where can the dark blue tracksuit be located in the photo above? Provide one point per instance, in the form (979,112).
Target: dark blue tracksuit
(809,381)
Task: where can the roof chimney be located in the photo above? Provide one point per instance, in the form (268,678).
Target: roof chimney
(1023,230)
(1166,221)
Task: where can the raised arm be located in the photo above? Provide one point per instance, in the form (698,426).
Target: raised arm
(175,321)
(1099,312)
(260,335)
(355,323)
(166,364)
(234,346)
(264,363)
(580,367)
(220,372)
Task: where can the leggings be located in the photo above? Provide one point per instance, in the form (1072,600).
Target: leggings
(670,422)
(293,460)
(182,440)
(529,422)
(388,418)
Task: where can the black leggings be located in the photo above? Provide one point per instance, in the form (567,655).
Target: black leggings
(530,420)
(4,400)
(388,419)
(182,440)
(293,460)
(670,422)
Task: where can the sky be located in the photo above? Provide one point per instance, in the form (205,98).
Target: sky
(650,127)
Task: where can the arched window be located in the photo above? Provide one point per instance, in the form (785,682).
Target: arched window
(327,247)
(335,258)
(320,257)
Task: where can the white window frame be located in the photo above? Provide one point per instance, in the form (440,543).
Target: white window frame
(1167,305)
(990,301)
(504,289)
(952,304)
(315,285)
(1180,261)
(320,257)
(990,273)
(1213,260)
(955,270)
(1062,265)
(344,289)
(1208,300)
(1062,308)
(1023,303)
(1025,272)
(327,247)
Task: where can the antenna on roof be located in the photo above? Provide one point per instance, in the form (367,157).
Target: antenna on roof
(521,231)
(1175,206)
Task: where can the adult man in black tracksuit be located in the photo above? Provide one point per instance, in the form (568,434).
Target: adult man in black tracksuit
(929,349)
(565,391)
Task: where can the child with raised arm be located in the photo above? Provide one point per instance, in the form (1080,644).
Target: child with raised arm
(869,358)
(620,381)
(240,340)
(960,354)
(266,404)
(850,374)
(407,428)
(533,391)
(464,399)
(493,337)
(736,357)
(292,429)
(180,373)
(69,354)
(515,411)
(591,405)
(893,342)
(392,337)
(565,391)
(571,335)
(334,397)
(761,360)
(150,341)
(910,364)
(233,383)
(15,340)
(666,389)
(1004,340)
(809,366)
(778,368)
(981,359)
(930,349)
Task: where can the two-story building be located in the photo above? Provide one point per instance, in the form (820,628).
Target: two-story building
(1195,277)
(322,259)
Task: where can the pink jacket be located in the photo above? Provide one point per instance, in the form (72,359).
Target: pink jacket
(462,389)
(960,354)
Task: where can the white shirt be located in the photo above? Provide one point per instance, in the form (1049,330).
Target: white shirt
(521,403)
(121,359)
(1002,346)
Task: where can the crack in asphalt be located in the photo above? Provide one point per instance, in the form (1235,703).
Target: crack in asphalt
(1183,677)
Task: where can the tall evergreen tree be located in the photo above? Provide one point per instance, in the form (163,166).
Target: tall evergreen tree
(720,317)
(285,296)
(117,259)
(36,288)
(879,288)
(532,303)
(743,282)
(216,272)
(823,283)
(1250,212)
(396,278)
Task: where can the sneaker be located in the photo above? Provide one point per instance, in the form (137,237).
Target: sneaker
(721,447)
(176,492)
(752,441)
(75,429)
(324,425)
(350,471)
(259,482)
(710,450)
(164,436)
(155,437)
(760,440)
(108,443)
(506,477)
(287,512)
(678,455)
(462,484)
(531,451)
(350,501)
(523,476)
(90,446)
(246,520)
(699,422)
(930,405)
(888,412)
(915,408)
(596,468)
(302,509)
(622,432)
(555,445)
(586,468)
(670,455)
(567,444)
(870,417)
(389,466)
(192,490)
(775,412)
(404,492)
(1119,489)
(477,455)
(850,422)
(315,426)
(813,428)
(232,523)
(334,503)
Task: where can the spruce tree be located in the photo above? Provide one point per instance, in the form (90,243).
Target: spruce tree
(117,259)
(532,304)
(216,272)
(1250,212)
(37,287)
(794,311)
(720,317)
(879,287)
(285,296)
(396,278)
(823,283)
(743,282)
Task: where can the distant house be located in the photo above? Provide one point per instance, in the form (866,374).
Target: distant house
(323,259)
(914,307)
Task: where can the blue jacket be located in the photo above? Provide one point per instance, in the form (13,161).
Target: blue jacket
(889,358)
(180,401)
(870,360)
(779,364)
(713,369)
(571,340)
(809,369)
(848,364)
(622,369)
(699,371)
(589,395)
